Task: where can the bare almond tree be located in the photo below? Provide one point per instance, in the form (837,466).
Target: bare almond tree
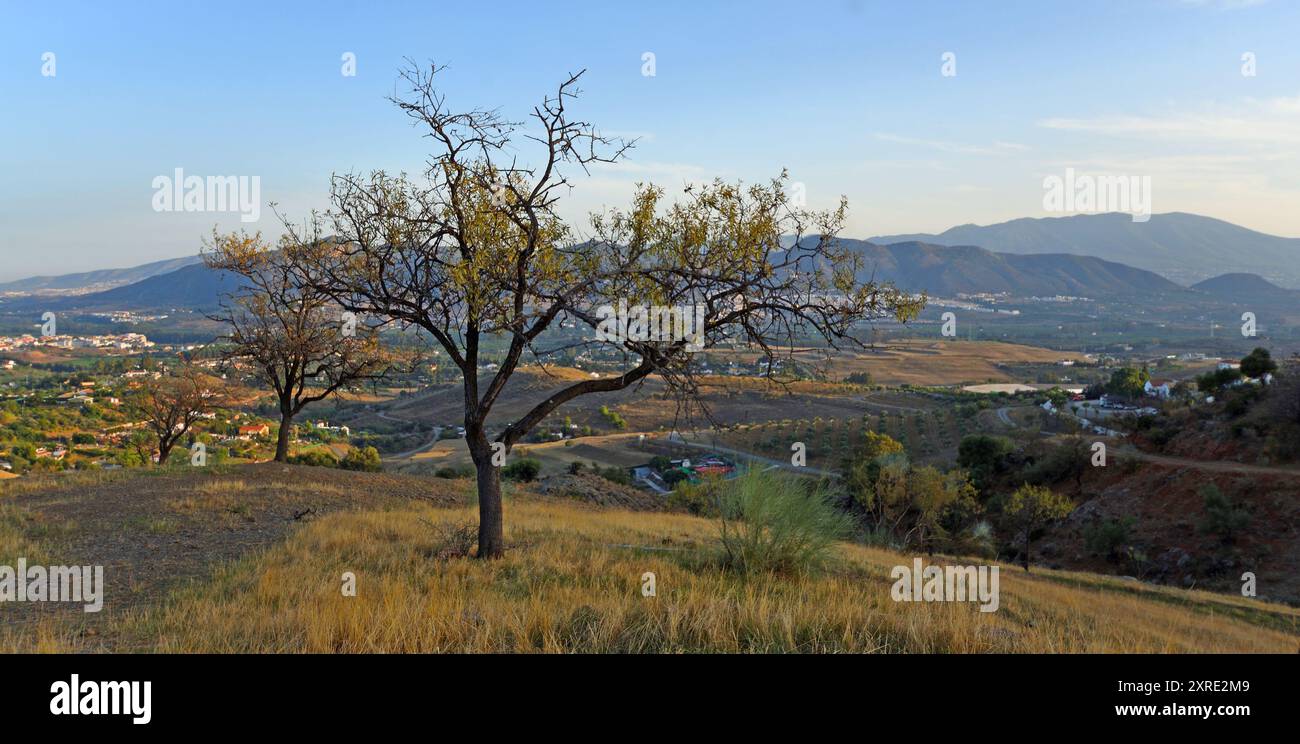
(288,333)
(475,251)
(172,404)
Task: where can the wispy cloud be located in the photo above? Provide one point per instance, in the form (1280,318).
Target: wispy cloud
(1267,122)
(994,148)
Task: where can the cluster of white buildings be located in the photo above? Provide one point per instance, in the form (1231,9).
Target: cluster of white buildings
(117,341)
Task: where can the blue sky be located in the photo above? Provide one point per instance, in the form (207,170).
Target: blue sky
(846,94)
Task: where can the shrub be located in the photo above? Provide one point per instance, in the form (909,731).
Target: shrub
(524,470)
(364,459)
(452,539)
(699,499)
(615,474)
(1105,538)
(1222,517)
(771,522)
(452,473)
(984,455)
(613,418)
(315,458)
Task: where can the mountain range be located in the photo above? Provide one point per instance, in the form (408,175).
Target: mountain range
(947,271)
(1186,248)
(91,281)
(1012,257)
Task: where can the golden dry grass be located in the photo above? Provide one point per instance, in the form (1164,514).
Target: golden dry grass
(571,583)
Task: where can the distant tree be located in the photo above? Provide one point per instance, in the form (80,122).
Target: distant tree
(1258,363)
(1029,509)
(932,494)
(1058,397)
(292,337)
(1213,382)
(858,378)
(1070,459)
(364,459)
(864,474)
(984,456)
(1128,382)
(477,251)
(171,404)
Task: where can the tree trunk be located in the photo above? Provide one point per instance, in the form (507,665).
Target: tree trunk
(164,451)
(491,540)
(282,440)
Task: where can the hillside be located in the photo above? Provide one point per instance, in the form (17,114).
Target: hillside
(949,270)
(93,281)
(570,581)
(193,287)
(1184,247)
(1246,288)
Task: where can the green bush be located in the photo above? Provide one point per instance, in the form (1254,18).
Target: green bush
(365,459)
(315,458)
(615,474)
(700,499)
(1222,517)
(452,473)
(1107,537)
(524,470)
(772,522)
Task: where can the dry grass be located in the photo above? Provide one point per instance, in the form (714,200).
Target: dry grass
(571,583)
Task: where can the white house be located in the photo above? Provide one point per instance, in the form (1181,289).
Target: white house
(1156,388)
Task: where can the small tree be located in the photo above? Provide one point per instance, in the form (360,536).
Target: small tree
(1128,382)
(171,404)
(476,251)
(364,459)
(984,455)
(1258,363)
(932,495)
(289,333)
(1030,508)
